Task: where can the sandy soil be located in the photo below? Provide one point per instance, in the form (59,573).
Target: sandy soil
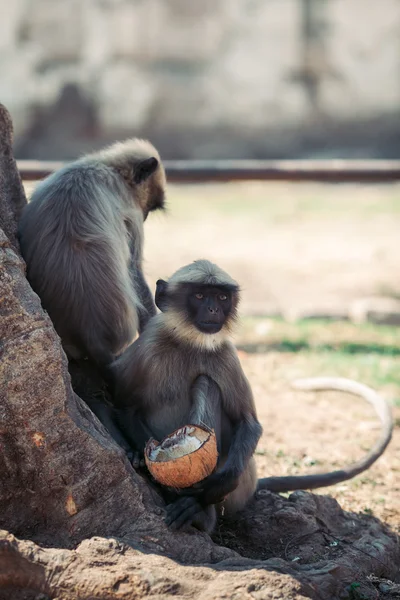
(308,432)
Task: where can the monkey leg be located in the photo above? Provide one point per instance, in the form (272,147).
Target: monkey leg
(89,385)
(105,414)
(206,409)
(237,500)
(136,432)
(206,520)
(188,511)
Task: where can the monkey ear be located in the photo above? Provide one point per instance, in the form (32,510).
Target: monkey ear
(144,169)
(161,295)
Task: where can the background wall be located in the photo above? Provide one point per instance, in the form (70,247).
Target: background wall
(209,78)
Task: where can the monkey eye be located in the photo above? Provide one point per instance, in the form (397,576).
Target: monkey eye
(199,296)
(222,297)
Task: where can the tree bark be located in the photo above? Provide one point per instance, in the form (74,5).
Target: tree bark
(11,188)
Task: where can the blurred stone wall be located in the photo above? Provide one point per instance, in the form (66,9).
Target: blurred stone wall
(203,78)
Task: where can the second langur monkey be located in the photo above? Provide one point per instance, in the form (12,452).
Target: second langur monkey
(184,369)
(81,236)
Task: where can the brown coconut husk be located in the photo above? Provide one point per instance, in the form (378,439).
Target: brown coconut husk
(186,470)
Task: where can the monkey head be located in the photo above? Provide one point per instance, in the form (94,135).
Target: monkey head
(199,303)
(139,164)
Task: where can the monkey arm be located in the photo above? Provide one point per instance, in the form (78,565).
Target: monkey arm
(146,298)
(139,284)
(206,410)
(147,308)
(243,444)
(245,435)
(206,405)
(218,485)
(240,408)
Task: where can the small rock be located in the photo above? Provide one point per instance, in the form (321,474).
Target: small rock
(381,310)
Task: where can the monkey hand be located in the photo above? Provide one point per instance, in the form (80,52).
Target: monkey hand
(213,489)
(136,459)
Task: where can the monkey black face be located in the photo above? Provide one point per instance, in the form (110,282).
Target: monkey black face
(207,307)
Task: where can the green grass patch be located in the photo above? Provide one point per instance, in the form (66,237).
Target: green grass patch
(322,333)
(367,352)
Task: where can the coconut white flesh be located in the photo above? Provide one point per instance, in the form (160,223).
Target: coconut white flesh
(184,441)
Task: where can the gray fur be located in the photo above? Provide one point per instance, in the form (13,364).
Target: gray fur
(81,236)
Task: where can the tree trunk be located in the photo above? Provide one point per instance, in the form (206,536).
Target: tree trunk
(12,195)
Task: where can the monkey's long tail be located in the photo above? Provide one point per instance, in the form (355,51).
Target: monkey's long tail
(317,480)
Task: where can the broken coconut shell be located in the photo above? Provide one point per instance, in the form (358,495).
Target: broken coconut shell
(184,457)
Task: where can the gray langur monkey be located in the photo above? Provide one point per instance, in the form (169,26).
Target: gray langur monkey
(184,370)
(81,236)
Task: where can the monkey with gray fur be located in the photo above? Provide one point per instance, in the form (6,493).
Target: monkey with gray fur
(184,370)
(81,236)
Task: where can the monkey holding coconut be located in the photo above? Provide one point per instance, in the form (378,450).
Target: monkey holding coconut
(183,375)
